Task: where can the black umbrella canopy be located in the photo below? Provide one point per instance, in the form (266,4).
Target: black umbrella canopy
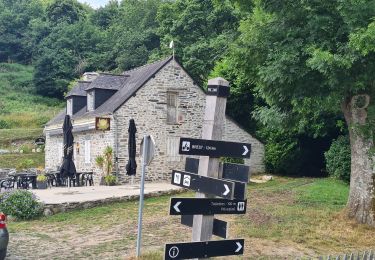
(68,169)
(131,167)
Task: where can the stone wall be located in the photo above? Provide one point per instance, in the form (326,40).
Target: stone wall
(234,132)
(98,141)
(53,158)
(149,110)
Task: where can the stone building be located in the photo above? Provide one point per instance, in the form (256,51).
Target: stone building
(163,100)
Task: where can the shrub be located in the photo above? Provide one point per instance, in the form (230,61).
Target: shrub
(110,180)
(232,160)
(282,153)
(26,148)
(20,204)
(41,178)
(25,164)
(338,159)
(4,124)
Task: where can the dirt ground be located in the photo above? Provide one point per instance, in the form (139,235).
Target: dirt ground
(274,227)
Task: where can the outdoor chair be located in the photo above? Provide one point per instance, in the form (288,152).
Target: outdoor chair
(51,179)
(73,181)
(24,182)
(8,183)
(87,178)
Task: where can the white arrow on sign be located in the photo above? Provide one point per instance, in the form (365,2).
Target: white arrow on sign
(239,247)
(227,190)
(246,150)
(176,206)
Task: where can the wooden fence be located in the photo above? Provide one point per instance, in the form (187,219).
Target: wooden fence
(367,255)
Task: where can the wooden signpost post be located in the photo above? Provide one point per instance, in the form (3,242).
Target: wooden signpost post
(199,212)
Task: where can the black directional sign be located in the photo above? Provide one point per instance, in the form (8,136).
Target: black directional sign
(236,172)
(231,171)
(40,141)
(220,91)
(192,165)
(206,206)
(217,187)
(190,146)
(204,249)
(219,226)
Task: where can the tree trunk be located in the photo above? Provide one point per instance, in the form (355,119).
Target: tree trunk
(361,202)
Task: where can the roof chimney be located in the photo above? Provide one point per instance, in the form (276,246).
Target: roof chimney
(89,76)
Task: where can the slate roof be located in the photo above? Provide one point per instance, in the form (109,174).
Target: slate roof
(108,81)
(126,85)
(79,89)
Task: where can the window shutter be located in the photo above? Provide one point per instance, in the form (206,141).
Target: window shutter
(171,107)
(87,151)
(69,106)
(61,151)
(173,143)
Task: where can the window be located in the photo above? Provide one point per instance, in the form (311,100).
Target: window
(171,107)
(90,101)
(87,151)
(69,107)
(60,152)
(173,144)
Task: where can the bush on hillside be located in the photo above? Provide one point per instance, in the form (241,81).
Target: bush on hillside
(20,204)
(289,153)
(25,164)
(4,124)
(338,159)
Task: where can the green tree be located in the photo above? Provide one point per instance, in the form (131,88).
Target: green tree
(67,11)
(16,18)
(131,39)
(106,16)
(311,58)
(68,51)
(201,30)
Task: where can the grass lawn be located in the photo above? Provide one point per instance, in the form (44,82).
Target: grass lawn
(20,106)
(33,160)
(286,218)
(7,136)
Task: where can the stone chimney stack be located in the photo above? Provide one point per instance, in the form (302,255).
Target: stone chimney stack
(89,76)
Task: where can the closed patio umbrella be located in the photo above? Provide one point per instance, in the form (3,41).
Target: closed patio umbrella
(68,169)
(131,167)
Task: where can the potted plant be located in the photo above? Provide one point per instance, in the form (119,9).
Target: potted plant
(110,180)
(105,163)
(41,181)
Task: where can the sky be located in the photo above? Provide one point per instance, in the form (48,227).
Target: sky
(95,3)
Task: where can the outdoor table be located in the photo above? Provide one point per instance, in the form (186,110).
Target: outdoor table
(77,179)
(87,177)
(63,181)
(24,179)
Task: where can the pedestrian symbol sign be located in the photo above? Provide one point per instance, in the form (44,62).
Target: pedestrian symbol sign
(185,146)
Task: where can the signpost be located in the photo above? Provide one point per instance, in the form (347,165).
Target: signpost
(204,249)
(150,148)
(206,206)
(40,141)
(191,146)
(236,172)
(217,187)
(230,171)
(219,228)
(220,91)
(147,149)
(204,177)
